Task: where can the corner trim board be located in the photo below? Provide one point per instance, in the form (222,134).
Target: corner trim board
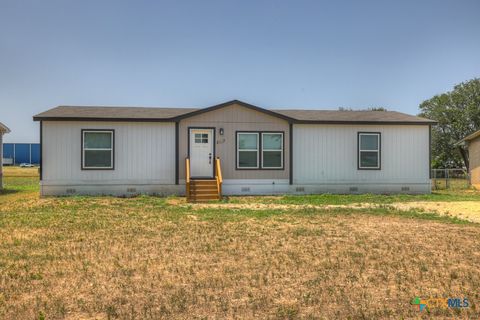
(430,151)
(176,151)
(41,151)
(290,159)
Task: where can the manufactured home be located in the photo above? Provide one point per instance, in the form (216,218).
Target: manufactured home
(233,148)
(3,130)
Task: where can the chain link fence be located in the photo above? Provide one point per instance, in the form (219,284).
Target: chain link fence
(450,179)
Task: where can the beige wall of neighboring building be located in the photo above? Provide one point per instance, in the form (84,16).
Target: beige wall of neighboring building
(474,155)
(234,118)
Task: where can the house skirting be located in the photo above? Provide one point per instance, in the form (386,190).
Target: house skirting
(119,190)
(233,187)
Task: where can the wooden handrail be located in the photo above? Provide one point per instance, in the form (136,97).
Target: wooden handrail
(218,176)
(187,178)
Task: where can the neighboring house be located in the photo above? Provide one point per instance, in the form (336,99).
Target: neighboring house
(3,130)
(125,151)
(473,143)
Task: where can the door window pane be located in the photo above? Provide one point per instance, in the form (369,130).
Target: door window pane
(201,137)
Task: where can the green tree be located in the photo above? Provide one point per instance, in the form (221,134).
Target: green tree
(458,115)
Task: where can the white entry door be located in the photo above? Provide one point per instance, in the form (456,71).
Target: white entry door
(201,152)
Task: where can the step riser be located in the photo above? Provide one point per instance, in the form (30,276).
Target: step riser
(203,190)
(205,198)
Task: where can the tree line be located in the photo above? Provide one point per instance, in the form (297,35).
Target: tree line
(458,115)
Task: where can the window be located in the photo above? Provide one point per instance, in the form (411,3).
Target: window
(247,150)
(260,150)
(369,150)
(97,149)
(201,137)
(272,150)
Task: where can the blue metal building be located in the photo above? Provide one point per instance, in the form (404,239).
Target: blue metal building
(21,153)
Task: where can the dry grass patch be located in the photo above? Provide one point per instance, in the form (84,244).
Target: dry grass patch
(14,171)
(140,258)
(154,258)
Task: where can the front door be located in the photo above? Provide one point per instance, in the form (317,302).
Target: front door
(201,152)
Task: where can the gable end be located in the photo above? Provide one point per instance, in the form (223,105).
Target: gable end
(232,102)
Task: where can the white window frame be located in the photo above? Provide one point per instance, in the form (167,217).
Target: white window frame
(275,150)
(111,149)
(378,150)
(256,150)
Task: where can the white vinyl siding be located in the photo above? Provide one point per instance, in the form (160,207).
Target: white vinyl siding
(327,154)
(144,153)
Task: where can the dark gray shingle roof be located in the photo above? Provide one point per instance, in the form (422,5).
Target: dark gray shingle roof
(350,116)
(169,114)
(81,112)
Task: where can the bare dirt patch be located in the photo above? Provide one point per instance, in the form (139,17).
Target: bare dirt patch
(467,210)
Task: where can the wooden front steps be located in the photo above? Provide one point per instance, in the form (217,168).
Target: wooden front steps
(203,190)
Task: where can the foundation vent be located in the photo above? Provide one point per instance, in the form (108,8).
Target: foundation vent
(353,189)
(245,189)
(131,189)
(405,188)
(300,189)
(70,191)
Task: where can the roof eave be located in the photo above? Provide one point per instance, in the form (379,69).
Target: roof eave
(40,118)
(470,137)
(423,123)
(4,129)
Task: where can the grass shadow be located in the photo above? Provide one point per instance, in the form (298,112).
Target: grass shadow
(6,191)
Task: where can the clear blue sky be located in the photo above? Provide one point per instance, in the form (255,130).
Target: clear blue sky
(271,53)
